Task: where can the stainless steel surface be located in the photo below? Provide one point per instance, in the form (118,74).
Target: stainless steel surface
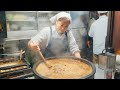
(107,61)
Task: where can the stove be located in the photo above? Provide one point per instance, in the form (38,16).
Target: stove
(15,69)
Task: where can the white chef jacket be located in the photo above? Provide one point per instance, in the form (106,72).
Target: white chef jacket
(98,31)
(43,38)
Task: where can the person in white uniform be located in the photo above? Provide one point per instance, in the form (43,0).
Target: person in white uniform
(98,31)
(56,40)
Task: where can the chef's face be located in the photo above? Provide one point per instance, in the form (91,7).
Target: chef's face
(62,24)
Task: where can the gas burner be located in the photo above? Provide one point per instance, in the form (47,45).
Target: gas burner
(15,69)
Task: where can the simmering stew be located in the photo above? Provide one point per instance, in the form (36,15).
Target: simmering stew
(64,69)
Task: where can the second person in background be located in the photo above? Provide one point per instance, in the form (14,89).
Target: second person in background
(98,31)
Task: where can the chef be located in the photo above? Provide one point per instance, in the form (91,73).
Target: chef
(98,31)
(56,40)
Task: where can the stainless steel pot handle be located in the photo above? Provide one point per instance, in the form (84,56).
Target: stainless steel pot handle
(103,51)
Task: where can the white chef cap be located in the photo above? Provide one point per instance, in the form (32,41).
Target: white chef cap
(102,11)
(60,15)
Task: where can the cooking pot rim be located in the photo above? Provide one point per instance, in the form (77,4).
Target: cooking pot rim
(70,57)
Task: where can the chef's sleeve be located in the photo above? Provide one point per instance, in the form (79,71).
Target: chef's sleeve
(91,31)
(72,43)
(42,37)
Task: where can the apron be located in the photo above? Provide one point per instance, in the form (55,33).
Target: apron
(56,47)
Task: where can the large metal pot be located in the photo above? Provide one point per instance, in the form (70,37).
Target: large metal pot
(90,76)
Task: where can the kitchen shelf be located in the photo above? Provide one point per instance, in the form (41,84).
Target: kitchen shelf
(24,24)
(21,11)
(21,21)
(45,11)
(12,39)
(49,11)
(19,35)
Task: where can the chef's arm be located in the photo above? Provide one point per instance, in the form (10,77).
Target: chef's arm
(37,41)
(34,46)
(74,49)
(77,54)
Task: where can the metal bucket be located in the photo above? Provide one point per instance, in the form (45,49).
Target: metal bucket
(107,60)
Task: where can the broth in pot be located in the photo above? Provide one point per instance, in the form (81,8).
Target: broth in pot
(64,69)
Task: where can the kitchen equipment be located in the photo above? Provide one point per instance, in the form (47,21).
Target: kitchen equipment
(117,74)
(13,68)
(117,71)
(109,49)
(90,76)
(108,59)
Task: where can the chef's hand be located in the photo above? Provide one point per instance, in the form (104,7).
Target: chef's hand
(34,46)
(77,55)
(88,44)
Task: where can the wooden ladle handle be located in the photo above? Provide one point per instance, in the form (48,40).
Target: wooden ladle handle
(20,54)
(43,59)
